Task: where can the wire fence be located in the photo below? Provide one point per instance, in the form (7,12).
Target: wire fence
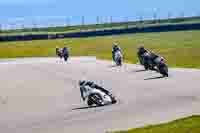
(67,21)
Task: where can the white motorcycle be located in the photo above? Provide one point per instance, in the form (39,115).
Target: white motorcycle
(96,97)
(118,58)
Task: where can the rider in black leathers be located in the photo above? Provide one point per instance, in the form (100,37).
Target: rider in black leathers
(141,55)
(141,50)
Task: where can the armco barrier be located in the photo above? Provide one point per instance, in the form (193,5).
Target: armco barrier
(160,28)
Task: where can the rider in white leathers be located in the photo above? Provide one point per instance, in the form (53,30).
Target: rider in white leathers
(88,87)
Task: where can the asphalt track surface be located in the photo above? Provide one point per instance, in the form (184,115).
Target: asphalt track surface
(41,95)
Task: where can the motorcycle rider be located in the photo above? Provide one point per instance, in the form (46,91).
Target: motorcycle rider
(59,52)
(143,54)
(115,48)
(141,50)
(83,83)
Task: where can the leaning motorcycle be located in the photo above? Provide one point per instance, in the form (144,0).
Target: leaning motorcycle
(96,97)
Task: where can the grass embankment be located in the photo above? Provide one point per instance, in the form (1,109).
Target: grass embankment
(181,48)
(186,125)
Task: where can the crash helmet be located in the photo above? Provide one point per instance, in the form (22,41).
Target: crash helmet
(115,44)
(57,47)
(162,58)
(141,47)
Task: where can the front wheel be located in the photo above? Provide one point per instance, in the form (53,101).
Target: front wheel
(65,58)
(164,71)
(89,102)
(113,100)
(118,61)
(96,99)
(141,60)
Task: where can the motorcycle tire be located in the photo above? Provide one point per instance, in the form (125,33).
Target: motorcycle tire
(89,102)
(164,71)
(96,98)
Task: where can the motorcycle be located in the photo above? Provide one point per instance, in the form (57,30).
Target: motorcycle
(118,58)
(96,97)
(153,62)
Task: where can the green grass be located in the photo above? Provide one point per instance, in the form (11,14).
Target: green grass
(181,48)
(186,125)
(92,27)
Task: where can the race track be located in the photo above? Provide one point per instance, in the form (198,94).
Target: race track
(41,95)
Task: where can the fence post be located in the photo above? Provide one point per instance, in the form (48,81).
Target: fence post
(154,15)
(169,16)
(141,19)
(68,22)
(82,23)
(111,21)
(126,23)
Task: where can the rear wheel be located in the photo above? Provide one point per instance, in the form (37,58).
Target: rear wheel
(120,62)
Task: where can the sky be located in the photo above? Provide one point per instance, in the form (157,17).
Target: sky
(63,11)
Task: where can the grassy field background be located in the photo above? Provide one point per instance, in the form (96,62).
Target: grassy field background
(186,125)
(181,48)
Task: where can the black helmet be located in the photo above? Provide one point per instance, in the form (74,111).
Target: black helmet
(81,82)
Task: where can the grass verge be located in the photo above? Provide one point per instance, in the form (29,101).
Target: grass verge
(186,125)
(181,48)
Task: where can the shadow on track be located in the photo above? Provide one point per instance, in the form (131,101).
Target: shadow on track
(142,70)
(89,107)
(159,77)
(86,107)
(110,66)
